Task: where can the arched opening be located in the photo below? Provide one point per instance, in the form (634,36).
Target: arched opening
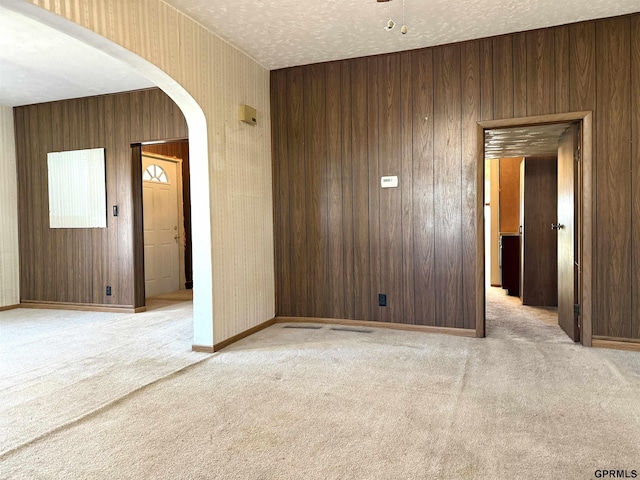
(199,178)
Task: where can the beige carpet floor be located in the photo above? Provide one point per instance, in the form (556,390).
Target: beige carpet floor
(507,318)
(57,365)
(291,403)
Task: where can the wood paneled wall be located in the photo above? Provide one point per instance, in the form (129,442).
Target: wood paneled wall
(337,127)
(341,239)
(9,252)
(76,265)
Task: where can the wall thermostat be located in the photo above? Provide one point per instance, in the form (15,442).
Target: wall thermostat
(389,182)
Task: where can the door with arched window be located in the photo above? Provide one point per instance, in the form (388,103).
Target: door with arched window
(162,232)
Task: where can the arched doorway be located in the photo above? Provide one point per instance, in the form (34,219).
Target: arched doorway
(199,170)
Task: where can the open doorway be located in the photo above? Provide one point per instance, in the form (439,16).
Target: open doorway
(203,317)
(166,218)
(541,255)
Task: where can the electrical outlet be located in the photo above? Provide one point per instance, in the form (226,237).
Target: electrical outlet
(382,299)
(108,290)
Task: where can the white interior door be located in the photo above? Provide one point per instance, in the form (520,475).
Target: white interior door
(161,227)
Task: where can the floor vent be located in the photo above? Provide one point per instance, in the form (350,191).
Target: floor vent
(351,329)
(305,327)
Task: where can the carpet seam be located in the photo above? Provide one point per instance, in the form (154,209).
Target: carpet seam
(99,409)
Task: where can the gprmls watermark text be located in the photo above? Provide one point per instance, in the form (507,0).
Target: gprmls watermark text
(614,473)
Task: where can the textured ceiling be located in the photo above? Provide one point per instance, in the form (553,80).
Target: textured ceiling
(39,64)
(537,141)
(282,33)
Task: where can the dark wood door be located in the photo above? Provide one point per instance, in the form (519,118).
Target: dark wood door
(539,286)
(566,228)
(510,263)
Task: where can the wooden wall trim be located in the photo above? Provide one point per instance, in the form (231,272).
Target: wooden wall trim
(9,307)
(616,339)
(481,267)
(160,141)
(461,332)
(332,321)
(85,307)
(534,120)
(586,248)
(617,344)
(139,276)
(202,349)
(599,342)
(220,345)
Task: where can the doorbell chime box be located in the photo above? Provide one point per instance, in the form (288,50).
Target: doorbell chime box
(248,115)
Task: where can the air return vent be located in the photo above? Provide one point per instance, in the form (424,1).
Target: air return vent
(303,327)
(351,329)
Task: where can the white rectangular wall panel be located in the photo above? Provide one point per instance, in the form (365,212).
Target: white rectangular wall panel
(77,189)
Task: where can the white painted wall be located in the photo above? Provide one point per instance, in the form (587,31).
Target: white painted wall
(9,265)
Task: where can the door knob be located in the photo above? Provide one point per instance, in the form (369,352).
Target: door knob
(556,226)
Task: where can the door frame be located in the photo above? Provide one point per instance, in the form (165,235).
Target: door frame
(585,214)
(179,199)
(137,214)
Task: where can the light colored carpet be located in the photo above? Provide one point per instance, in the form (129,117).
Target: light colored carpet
(180,295)
(507,318)
(56,365)
(326,404)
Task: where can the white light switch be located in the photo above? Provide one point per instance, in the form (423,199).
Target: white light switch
(389,182)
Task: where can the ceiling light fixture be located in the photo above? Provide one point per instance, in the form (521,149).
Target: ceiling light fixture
(390,23)
(404,25)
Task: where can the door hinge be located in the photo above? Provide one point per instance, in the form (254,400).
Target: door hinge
(576,155)
(576,310)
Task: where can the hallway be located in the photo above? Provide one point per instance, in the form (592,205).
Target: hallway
(507,318)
